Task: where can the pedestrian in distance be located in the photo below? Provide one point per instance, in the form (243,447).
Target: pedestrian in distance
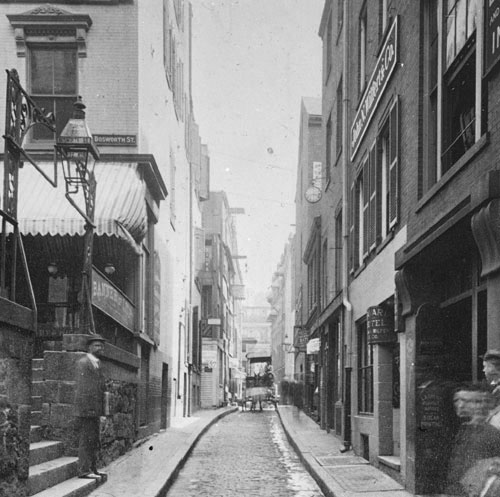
(491,370)
(89,406)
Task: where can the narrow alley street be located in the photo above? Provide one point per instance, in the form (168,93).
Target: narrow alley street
(245,454)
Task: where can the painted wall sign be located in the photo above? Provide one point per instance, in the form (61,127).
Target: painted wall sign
(115,140)
(380,325)
(492,34)
(108,299)
(375,88)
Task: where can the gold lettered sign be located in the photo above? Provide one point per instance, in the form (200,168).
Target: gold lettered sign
(110,300)
(380,325)
(491,34)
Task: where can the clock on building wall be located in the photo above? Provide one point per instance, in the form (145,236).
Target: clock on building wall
(313,194)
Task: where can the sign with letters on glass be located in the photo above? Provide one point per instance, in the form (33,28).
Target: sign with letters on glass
(491,34)
(380,325)
(108,299)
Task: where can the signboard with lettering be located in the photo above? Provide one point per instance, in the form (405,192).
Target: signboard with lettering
(386,63)
(115,140)
(313,346)
(491,34)
(301,338)
(380,325)
(108,299)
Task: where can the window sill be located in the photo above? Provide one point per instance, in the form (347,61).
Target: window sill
(453,171)
(393,462)
(373,253)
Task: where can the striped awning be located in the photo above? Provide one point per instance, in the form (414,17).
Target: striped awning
(120,208)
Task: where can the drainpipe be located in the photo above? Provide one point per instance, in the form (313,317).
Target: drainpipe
(345,228)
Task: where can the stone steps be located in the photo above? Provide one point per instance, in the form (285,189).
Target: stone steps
(75,487)
(45,450)
(36,433)
(50,473)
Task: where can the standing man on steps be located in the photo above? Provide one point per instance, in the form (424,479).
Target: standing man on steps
(89,406)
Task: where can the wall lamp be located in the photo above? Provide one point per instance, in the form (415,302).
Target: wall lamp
(109,268)
(52,268)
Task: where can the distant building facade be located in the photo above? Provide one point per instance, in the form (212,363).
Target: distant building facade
(280,299)
(222,291)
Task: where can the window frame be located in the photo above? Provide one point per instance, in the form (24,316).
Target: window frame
(436,166)
(362,48)
(364,370)
(69,98)
(375,190)
(339,118)
(329,148)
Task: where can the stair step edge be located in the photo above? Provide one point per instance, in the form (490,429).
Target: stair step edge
(74,487)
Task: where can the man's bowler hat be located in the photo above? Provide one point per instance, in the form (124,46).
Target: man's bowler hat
(95,338)
(492,354)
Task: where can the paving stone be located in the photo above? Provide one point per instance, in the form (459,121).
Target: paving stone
(245,454)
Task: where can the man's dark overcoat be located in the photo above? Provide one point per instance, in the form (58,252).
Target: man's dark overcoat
(90,387)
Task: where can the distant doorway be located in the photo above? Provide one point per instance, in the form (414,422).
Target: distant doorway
(164,422)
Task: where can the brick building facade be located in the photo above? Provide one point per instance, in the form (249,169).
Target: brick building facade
(416,114)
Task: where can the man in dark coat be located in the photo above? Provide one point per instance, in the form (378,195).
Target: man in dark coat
(89,405)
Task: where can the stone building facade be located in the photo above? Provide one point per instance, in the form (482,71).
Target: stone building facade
(131,64)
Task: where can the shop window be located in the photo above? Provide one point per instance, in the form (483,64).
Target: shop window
(365,371)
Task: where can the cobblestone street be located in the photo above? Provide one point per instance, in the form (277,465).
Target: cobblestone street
(244,454)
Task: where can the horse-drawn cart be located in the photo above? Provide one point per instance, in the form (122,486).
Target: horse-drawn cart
(259,385)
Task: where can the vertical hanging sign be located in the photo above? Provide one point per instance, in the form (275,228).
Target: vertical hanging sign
(491,34)
(380,325)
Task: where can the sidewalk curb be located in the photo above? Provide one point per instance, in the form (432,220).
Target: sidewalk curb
(307,461)
(191,442)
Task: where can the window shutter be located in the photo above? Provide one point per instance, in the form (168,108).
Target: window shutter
(372,161)
(357,196)
(352,221)
(378,186)
(394,164)
(366,204)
